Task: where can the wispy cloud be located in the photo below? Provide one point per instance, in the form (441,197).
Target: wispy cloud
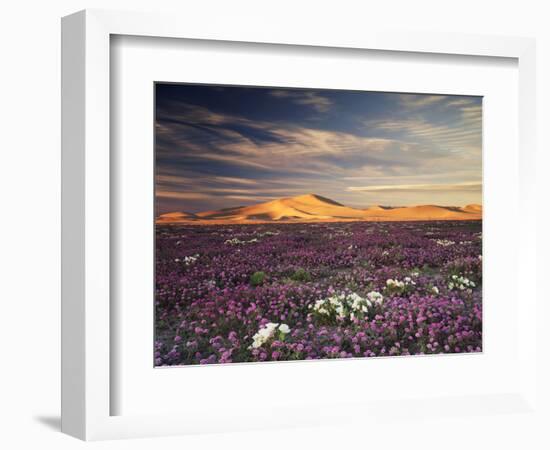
(203,135)
(235,180)
(302,97)
(182,195)
(460,102)
(455,128)
(467,187)
(251,198)
(442,134)
(421,100)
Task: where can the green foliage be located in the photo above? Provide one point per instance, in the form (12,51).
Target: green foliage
(469,267)
(257,278)
(301,275)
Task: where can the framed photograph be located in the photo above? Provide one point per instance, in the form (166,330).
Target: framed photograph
(252,220)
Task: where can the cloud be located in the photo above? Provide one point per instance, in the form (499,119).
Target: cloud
(182,195)
(235,180)
(464,187)
(460,102)
(189,187)
(250,198)
(455,129)
(422,129)
(471,114)
(421,100)
(307,98)
(197,134)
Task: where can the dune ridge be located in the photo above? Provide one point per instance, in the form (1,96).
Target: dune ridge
(315,208)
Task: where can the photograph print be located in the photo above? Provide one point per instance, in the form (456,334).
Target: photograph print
(313,224)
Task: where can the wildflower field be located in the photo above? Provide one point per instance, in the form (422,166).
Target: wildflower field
(279,292)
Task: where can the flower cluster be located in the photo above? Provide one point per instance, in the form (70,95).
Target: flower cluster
(237,241)
(461,283)
(395,283)
(267,333)
(345,306)
(444,242)
(268,233)
(188,260)
(375,297)
(395,286)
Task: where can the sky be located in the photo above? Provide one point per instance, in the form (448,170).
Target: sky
(224,146)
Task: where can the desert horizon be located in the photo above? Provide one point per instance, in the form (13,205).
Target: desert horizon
(316,208)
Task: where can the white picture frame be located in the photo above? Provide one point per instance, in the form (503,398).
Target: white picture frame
(86,217)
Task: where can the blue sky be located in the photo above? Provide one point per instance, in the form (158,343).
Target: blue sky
(221,146)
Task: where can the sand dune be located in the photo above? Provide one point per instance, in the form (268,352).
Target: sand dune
(180,216)
(472,208)
(431,212)
(315,208)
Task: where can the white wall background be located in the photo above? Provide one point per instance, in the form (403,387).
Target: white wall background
(30,195)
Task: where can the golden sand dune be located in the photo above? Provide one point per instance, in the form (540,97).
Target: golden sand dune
(472,208)
(314,208)
(176,217)
(427,212)
(377,208)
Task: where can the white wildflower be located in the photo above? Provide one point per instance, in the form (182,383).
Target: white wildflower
(461,283)
(237,241)
(264,334)
(283,328)
(443,242)
(344,306)
(375,297)
(395,283)
(269,233)
(188,260)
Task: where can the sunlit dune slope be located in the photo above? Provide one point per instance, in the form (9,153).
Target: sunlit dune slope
(180,216)
(303,207)
(472,209)
(314,208)
(426,212)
